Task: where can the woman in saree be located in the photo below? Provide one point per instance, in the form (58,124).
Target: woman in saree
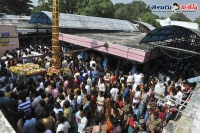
(109,126)
(93,102)
(107,106)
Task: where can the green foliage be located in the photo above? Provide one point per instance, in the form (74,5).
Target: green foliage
(66,6)
(106,45)
(135,11)
(131,11)
(197,20)
(179,17)
(42,7)
(151,19)
(17,7)
(97,8)
(69,6)
(47,6)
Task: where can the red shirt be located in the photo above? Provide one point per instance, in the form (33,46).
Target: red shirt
(112,78)
(75,82)
(120,103)
(161,116)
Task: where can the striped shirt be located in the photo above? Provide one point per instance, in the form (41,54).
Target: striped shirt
(25,106)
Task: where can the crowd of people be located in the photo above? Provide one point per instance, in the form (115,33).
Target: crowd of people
(91,95)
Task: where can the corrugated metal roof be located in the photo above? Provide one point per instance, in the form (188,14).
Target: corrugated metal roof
(169,32)
(84,22)
(149,26)
(190,25)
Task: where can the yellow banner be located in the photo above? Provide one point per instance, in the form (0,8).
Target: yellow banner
(4,44)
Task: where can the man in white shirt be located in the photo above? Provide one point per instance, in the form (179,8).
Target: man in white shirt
(129,80)
(114,92)
(92,62)
(87,87)
(136,98)
(63,125)
(101,86)
(138,78)
(82,123)
(41,83)
(179,94)
(24,60)
(79,97)
(64,63)
(89,81)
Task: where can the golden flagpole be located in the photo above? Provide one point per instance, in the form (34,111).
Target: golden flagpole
(56,60)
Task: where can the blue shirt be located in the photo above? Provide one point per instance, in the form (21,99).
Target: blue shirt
(137,112)
(74,105)
(57,84)
(94,73)
(81,78)
(146,117)
(25,106)
(29,126)
(133,70)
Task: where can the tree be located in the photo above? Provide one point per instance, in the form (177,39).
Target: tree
(70,6)
(119,5)
(197,20)
(66,6)
(42,7)
(180,17)
(150,18)
(137,10)
(131,11)
(17,7)
(97,8)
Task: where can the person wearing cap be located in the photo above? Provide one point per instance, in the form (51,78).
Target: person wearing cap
(154,122)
